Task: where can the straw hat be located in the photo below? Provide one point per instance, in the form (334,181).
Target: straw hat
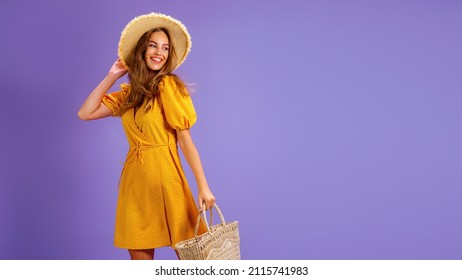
(179,36)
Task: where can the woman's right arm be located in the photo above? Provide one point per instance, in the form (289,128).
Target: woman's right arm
(92,108)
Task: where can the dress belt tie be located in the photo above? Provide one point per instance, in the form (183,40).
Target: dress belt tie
(142,147)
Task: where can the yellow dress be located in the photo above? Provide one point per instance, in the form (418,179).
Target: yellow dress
(155,206)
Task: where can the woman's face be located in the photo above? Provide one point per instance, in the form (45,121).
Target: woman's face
(157,52)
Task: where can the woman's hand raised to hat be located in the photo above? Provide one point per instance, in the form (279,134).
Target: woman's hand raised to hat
(118,69)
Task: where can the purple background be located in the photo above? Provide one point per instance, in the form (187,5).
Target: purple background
(329,129)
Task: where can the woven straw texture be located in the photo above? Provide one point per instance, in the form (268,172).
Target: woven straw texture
(220,242)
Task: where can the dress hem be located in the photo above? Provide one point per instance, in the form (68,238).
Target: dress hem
(142,247)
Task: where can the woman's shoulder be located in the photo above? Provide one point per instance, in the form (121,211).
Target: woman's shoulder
(172,81)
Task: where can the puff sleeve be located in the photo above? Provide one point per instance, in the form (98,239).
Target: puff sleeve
(178,107)
(115,99)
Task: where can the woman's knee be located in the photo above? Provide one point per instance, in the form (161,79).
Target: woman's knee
(145,254)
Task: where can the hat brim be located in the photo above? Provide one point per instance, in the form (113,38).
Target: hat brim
(179,35)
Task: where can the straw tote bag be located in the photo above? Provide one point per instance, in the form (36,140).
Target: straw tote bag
(220,242)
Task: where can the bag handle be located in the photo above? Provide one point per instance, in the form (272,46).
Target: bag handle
(204,217)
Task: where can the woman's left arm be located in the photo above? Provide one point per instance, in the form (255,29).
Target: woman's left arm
(191,155)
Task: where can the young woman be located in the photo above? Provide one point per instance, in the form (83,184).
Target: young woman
(155,206)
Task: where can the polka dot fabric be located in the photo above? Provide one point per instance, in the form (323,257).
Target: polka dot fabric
(155,206)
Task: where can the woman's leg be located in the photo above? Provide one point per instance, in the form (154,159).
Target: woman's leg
(146,254)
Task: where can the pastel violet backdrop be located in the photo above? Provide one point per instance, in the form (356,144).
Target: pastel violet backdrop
(329,129)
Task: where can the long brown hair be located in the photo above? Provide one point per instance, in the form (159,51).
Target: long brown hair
(144,82)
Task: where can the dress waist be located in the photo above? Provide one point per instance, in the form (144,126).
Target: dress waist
(139,147)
